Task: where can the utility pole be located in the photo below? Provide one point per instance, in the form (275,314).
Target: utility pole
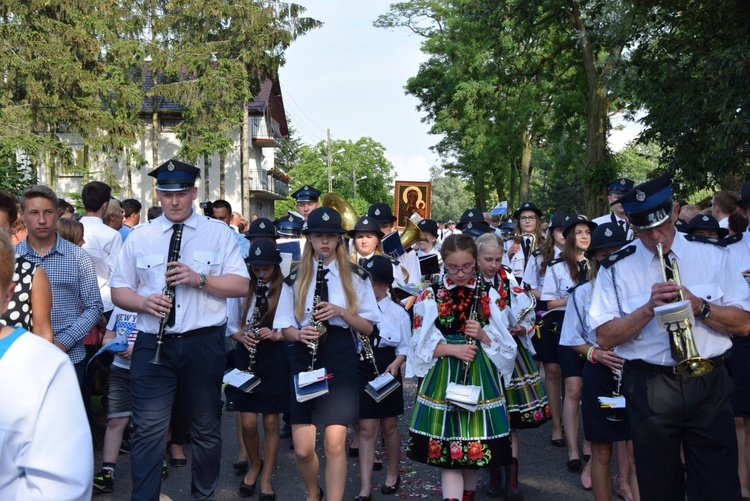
(330,161)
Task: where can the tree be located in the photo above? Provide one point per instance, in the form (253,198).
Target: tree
(450,198)
(361,163)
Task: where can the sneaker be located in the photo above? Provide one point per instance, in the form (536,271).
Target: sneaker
(103,481)
(164,471)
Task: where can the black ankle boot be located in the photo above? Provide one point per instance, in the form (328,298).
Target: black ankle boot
(496,490)
(512,492)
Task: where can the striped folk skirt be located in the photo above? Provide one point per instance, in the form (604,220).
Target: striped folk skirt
(526,399)
(447,436)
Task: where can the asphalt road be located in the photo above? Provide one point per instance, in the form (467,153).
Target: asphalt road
(543,474)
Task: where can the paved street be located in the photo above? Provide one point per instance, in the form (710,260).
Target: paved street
(543,474)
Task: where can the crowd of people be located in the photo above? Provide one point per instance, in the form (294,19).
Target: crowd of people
(637,320)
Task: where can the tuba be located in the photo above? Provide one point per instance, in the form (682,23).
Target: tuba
(411,234)
(681,340)
(344,208)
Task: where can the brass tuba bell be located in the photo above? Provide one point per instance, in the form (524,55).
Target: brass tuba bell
(411,234)
(344,208)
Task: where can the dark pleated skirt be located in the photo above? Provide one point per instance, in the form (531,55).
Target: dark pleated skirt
(271,396)
(599,381)
(390,406)
(548,337)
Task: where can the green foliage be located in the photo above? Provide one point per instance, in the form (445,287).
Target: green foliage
(16,175)
(450,198)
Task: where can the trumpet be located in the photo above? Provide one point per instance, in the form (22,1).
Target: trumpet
(681,340)
(320,326)
(253,328)
(174,255)
(473,316)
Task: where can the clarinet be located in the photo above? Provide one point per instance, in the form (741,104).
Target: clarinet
(253,328)
(320,326)
(169,292)
(473,316)
(369,354)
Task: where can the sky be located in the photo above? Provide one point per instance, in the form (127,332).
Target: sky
(349,77)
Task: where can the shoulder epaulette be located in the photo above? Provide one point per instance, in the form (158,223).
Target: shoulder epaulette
(291,278)
(706,240)
(620,254)
(737,237)
(554,261)
(507,269)
(570,291)
(359,271)
(536,251)
(393,260)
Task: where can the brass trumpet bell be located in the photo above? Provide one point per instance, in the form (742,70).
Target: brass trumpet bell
(344,208)
(411,234)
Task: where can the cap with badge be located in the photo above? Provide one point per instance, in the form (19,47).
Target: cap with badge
(380,269)
(428,226)
(681,225)
(706,222)
(470,216)
(323,220)
(527,206)
(381,213)
(649,204)
(174,175)
(261,228)
(263,252)
(560,219)
(306,194)
(573,221)
(620,186)
(290,225)
(606,236)
(366,223)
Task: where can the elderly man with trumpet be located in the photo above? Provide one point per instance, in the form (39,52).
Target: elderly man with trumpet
(675,384)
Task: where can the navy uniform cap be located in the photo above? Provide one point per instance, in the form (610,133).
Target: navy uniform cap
(381,212)
(706,222)
(367,223)
(380,269)
(174,175)
(605,236)
(289,225)
(306,194)
(621,186)
(681,225)
(573,221)
(263,252)
(560,219)
(323,220)
(649,204)
(261,228)
(527,206)
(508,227)
(470,215)
(476,230)
(429,226)
(745,195)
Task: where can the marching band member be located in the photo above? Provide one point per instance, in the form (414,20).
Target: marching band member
(389,344)
(528,237)
(346,302)
(601,375)
(443,435)
(615,190)
(525,397)
(271,397)
(564,273)
(669,411)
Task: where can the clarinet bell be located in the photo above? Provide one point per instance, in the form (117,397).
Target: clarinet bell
(157,354)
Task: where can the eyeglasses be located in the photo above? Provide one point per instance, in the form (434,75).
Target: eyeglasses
(527,218)
(464,269)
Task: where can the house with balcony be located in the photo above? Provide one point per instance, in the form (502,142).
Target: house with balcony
(265,183)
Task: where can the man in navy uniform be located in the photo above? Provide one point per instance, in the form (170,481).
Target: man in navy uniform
(307,200)
(209,269)
(615,190)
(669,411)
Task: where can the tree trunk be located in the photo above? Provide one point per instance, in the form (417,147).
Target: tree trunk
(128,173)
(206,179)
(512,183)
(222,175)
(524,171)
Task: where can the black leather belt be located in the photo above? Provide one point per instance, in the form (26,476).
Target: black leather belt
(192,333)
(669,370)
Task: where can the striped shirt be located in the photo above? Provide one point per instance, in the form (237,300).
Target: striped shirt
(76,302)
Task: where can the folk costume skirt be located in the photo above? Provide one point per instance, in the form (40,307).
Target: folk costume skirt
(525,396)
(447,436)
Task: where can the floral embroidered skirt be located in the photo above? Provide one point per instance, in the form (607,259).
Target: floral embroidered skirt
(446,436)
(527,402)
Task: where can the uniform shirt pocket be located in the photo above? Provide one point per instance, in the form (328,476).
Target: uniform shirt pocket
(151,269)
(709,292)
(206,262)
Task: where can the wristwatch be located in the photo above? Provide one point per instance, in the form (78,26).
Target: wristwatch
(705,310)
(203,281)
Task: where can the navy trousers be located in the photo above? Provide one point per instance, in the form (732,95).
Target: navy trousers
(196,365)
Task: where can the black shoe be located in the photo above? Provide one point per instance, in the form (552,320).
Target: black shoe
(363,498)
(377,465)
(353,452)
(557,442)
(575,464)
(391,489)
(177,462)
(241,466)
(247,490)
(264,496)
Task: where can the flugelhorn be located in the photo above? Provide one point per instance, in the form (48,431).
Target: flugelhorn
(681,340)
